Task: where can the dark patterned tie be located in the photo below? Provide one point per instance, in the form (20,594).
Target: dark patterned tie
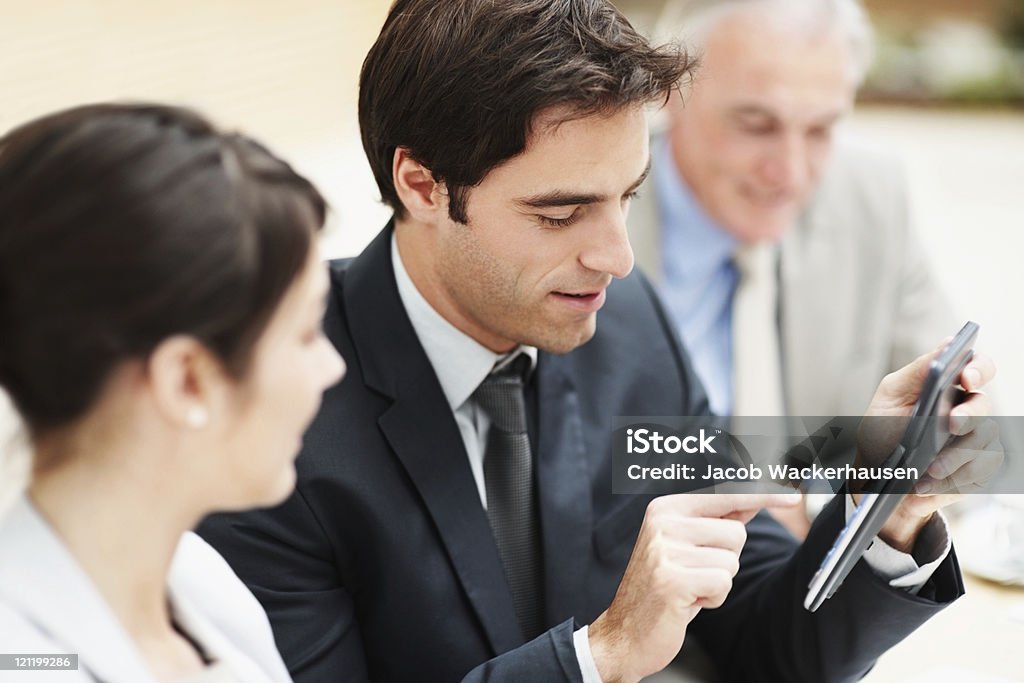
(511,497)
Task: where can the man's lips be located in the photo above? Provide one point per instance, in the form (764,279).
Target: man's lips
(587,301)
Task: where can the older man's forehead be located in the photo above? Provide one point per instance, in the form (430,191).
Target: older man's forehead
(771,73)
(755,45)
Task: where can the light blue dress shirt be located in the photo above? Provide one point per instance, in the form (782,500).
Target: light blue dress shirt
(699,279)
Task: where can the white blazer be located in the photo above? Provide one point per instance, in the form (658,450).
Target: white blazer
(48,605)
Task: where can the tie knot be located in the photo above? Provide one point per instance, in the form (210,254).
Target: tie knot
(755,261)
(500,395)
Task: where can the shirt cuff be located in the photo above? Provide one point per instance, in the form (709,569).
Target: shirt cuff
(903,570)
(588,668)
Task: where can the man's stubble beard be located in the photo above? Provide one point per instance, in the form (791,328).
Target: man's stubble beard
(486,292)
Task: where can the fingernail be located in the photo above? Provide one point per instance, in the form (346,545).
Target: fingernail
(972,376)
(923,487)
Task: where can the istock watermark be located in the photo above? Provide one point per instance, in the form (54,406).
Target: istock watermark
(660,455)
(648,441)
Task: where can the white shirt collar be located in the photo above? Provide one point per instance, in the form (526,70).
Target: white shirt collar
(460,362)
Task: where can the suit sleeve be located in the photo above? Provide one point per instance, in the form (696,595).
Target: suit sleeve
(549,657)
(762,633)
(283,557)
(313,617)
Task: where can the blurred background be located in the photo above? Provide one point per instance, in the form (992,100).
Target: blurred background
(946,94)
(285,72)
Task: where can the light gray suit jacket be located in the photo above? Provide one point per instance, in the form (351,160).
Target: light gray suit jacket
(857,298)
(48,605)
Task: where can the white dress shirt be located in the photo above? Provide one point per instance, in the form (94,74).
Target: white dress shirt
(461,364)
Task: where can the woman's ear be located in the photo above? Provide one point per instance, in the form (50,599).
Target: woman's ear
(423,197)
(187,381)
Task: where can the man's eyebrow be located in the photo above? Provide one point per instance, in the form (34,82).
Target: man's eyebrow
(754,110)
(641,179)
(564,198)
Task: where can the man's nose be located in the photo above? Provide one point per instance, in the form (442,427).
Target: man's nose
(787,165)
(608,249)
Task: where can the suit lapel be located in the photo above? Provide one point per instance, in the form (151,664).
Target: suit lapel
(421,430)
(563,488)
(806,348)
(44,583)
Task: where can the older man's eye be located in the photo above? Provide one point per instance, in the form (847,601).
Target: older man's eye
(820,132)
(756,125)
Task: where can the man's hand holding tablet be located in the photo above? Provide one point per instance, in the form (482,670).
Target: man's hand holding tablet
(967,462)
(930,418)
(689,545)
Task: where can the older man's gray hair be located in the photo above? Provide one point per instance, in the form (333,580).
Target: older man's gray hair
(691,21)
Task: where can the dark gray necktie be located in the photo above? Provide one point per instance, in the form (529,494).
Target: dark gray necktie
(511,496)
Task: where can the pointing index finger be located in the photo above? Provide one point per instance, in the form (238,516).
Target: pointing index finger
(724,504)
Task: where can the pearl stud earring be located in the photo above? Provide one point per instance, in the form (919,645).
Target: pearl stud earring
(197,417)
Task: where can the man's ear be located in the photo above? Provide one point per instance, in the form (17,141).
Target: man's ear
(423,197)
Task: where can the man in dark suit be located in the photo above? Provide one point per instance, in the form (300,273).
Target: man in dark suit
(453,514)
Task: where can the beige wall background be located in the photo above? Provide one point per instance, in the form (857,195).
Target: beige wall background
(284,72)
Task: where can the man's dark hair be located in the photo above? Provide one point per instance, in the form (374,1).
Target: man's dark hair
(459,82)
(122,225)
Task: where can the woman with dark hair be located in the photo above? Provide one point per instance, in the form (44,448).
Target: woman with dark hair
(160,335)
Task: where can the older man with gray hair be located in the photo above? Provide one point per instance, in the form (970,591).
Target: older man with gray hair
(751,191)
(784,254)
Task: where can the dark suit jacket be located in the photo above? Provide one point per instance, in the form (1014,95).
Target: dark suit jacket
(382,565)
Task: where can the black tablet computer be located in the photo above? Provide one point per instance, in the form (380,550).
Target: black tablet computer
(926,434)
